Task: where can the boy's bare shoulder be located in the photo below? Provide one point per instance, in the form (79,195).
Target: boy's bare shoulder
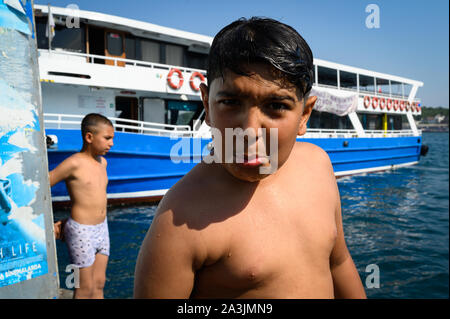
(185,210)
(196,183)
(310,160)
(74,161)
(191,200)
(310,154)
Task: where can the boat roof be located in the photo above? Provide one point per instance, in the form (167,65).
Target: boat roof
(138,28)
(199,41)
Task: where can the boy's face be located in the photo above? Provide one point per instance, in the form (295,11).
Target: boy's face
(259,101)
(101,140)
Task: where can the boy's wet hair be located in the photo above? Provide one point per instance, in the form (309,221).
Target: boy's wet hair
(90,121)
(262,40)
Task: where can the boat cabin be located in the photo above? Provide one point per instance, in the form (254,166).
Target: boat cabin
(140,72)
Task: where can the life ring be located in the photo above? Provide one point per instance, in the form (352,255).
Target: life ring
(375,101)
(191,80)
(402,105)
(389,104)
(414,107)
(180,77)
(408,106)
(382,103)
(396,104)
(366,101)
(418,108)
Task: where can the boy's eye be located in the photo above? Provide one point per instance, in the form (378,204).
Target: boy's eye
(278,107)
(229,102)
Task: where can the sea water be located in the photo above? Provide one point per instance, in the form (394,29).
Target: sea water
(396,226)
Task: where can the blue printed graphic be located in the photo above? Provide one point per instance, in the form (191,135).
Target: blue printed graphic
(23,253)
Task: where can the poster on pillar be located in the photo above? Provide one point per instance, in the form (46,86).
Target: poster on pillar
(22,232)
(23,247)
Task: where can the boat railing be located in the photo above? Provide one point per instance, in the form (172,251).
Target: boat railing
(362,93)
(92,58)
(72,121)
(336,133)
(198,121)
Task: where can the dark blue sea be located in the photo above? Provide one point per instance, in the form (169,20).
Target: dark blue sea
(397,220)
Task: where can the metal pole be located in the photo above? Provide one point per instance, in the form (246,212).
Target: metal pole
(49,30)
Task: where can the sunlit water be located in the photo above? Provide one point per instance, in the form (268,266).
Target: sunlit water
(396,220)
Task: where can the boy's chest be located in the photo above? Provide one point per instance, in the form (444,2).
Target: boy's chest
(92,178)
(270,242)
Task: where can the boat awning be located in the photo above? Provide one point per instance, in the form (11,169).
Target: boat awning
(334,101)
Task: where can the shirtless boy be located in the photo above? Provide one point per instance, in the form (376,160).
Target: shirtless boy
(227,231)
(86,231)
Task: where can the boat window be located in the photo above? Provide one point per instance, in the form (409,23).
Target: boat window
(41,39)
(196,60)
(327,76)
(406,89)
(382,86)
(394,122)
(70,39)
(130,48)
(348,80)
(396,88)
(325,120)
(150,51)
(366,83)
(405,122)
(174,55)
(114,44)
(371,121)
(181,112)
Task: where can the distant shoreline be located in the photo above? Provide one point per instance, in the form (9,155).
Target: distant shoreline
(435,130)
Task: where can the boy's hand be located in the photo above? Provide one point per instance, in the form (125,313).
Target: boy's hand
(59,229)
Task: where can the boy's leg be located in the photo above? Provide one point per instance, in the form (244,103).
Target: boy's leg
(86,283)
(99,275)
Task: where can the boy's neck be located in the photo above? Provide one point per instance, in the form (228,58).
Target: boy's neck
(90,153)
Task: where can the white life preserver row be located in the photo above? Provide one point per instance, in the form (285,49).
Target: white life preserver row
(382,103)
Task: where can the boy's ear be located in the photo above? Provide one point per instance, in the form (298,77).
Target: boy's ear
(89,137)
(205,100)
(306,114)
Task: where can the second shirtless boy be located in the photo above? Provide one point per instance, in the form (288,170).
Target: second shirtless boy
(86,231)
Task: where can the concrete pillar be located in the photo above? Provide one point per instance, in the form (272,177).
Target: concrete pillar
(28,267)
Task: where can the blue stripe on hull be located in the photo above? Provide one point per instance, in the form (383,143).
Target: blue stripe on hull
(139,163)
(366,153)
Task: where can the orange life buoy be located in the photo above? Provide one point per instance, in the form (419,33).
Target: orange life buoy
(402,105)
(366,101)
(375,101)
(191,80)
(389,104)
(418,108)
(180,77)
(408,106)
(382,103)
(396,103)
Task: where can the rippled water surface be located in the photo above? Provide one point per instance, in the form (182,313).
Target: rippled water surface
(397,220)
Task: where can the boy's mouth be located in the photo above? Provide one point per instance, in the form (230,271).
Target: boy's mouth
(252,160)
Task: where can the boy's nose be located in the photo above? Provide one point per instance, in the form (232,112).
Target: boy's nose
(252,119)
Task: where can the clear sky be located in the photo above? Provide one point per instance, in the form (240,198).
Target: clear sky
(412,40)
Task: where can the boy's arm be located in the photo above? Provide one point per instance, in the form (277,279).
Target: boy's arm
(346,280)
(165,265)
(62,171)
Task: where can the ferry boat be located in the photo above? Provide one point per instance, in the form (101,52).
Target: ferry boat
(145,78)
